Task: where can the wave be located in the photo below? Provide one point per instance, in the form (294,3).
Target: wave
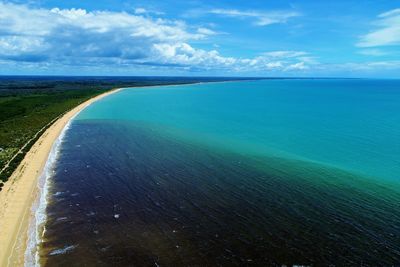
(38,210)
(37,223)
(62,250)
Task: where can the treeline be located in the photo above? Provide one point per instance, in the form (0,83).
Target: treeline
(29,103)
(23,115)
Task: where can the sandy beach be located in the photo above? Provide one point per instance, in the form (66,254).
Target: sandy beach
(21,191)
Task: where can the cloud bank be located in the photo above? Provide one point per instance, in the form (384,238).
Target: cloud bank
(76,37)
(142,42)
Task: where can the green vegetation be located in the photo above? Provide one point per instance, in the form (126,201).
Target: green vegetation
(24,115)
(29,104)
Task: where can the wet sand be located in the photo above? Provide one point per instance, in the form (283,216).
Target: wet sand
(21,191)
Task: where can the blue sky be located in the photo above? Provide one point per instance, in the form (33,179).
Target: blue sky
(224,38)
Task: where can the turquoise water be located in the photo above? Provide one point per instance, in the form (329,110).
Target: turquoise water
(250,173)
(350,124)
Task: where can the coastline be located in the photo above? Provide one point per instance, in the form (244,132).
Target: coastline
(21,191)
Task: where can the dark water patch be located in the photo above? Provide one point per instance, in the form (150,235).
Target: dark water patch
(130,197)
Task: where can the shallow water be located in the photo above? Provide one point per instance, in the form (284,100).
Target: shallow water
(242,173)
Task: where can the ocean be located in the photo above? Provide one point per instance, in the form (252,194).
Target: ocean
(244,173)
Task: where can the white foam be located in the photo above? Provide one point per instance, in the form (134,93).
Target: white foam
(58,193)
(61,250)
(37,223)
(61,219)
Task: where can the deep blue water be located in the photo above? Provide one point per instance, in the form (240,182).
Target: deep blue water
(240,173)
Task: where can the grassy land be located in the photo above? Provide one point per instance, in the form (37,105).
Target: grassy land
(27,104)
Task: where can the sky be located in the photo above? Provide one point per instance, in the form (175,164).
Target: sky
(307,38)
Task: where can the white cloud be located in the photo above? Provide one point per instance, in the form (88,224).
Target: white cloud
(260,18)
(390,13)
(387,31)
(61,33)
(310,60)
(184,54)
(374,65)
(140,10)
(206,31)
(366,68)
(76,37)
(285,54)
(143,11)
(274,65)
(297,66)
(372,52)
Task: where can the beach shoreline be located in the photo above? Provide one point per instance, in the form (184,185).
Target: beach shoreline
(21,191)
